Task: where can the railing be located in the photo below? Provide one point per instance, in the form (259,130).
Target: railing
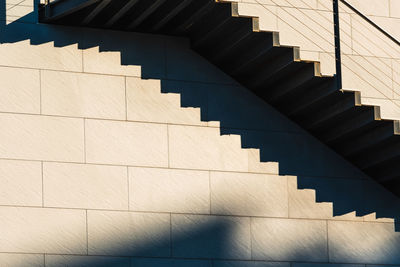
(336,21)
(338,53)
(370,22)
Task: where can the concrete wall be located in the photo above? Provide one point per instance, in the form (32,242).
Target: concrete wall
(153,157)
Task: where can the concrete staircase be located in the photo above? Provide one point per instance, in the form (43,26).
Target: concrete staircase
(256,59)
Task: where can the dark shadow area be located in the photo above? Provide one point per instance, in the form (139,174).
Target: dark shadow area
(239,112)
(205,241)
(207,244)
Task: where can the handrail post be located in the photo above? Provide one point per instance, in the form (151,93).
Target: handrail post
(338,56)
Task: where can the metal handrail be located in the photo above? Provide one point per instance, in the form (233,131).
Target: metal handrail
(336,24)
(371,22)
(338,54)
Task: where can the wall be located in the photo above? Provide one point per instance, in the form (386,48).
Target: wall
(370,60)
(385,13)
(122,149)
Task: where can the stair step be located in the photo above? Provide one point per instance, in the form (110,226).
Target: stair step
(382,134)
(330,111)
(361,120)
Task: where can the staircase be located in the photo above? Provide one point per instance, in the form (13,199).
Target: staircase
(256,59)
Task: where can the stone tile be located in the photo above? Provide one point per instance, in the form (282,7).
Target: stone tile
(346,41)
(107,62)
(328,65)
(124,53)
(20,13)
(146,262)
(17,260)
(302,203)
(371,7)
(40,46)
(250,264)
(297,153)
(148,101)
(249,194)
(203,236)
(19,90)
(83,95)
(390,25)
(369,41)
(167,190)
(41,138)
(395,8)
(21,183)
(309,55)
(85,186)
(364,75)
(205,148)
(372,218)
(297,29)
(268,19)
(53,231)
(256,165)
(128,234)
(126,143)
(289,240)
(325,198)
(325,5)
(85,261)
(354,242)
(390,109)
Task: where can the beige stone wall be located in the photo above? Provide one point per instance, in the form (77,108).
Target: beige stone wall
(385,13)
(153,157)
(370,60)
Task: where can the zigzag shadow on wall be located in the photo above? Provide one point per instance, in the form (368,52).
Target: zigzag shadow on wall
(237,110)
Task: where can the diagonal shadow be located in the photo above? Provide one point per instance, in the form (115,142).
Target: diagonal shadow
(236,109)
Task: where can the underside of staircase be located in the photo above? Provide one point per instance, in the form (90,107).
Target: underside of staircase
(256,59)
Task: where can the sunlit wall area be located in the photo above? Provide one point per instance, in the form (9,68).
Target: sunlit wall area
(126,149)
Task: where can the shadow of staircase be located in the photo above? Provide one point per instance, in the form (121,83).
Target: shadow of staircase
(239,112)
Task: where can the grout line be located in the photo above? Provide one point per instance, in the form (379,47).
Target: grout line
(123,75)
(302,131)
(200,214)
(186,169)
